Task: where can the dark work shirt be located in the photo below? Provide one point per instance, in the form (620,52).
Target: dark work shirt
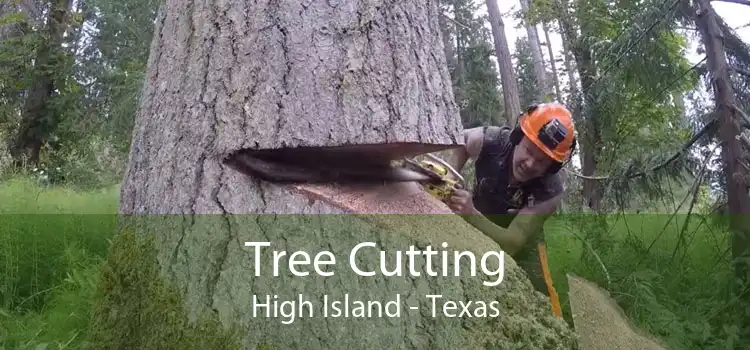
(493,195)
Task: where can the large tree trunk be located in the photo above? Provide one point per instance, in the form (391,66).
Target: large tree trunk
(536,54)
(511,98)
(732,153)
(363,72)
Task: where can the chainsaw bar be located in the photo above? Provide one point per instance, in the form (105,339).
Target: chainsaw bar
(324,170)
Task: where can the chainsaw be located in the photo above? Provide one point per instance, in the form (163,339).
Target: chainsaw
(446,179)
(336,165)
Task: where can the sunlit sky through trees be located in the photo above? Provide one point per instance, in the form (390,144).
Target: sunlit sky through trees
(737,17)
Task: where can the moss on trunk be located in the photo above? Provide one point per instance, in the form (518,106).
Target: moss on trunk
(136,308)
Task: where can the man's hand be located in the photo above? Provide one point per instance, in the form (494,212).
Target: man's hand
(461,202)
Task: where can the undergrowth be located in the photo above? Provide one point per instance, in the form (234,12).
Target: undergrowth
(671,279)
(49,266)
(49,261)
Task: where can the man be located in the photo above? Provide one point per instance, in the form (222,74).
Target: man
(514,167)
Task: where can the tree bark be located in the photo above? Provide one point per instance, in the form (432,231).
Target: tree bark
(365,74)
(536,55)
(294,74)
(508,79)
(460,70)
(732,153)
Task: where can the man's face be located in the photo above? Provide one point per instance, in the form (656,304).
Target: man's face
(529,161)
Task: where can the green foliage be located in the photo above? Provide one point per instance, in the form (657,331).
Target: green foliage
(475,78)
(16,53)
(116,62)
(135,308)
(670,277)
(49,261)
(482,104)
(637,65)
(47,269)
(51,268)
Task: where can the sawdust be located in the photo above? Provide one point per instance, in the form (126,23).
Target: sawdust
(600,323)
(390,198)
(378,204)
(527,321)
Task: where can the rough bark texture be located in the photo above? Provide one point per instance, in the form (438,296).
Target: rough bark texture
(511,97)
(228,75)
(295,73)
(215,274)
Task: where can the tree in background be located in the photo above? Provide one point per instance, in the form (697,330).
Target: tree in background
(502,54)
(530,91)
(469,53)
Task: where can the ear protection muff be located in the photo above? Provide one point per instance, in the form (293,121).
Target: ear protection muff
(556,166)
(516,135)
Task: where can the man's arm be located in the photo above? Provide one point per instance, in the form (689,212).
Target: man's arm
(528,221)
(473,139)
(512,239)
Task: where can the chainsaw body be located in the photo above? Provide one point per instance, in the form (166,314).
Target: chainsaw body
(443,179)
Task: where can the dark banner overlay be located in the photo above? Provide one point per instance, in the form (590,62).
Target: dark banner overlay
(318,273)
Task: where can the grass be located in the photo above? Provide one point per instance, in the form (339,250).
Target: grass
(49,262)
(680,295)
(49,266)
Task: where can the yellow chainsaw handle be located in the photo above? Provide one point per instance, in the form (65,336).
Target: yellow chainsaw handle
(449,167)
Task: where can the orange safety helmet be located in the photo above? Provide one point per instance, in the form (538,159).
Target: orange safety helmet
(550,127)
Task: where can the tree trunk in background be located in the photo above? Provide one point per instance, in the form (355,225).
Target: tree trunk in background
(536,54)
(679,102)
(38,118)
(553,64)
(588,128)
(569,67)
(447,42)
(32,14)
(508,79)
(362,72)
(732,152)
